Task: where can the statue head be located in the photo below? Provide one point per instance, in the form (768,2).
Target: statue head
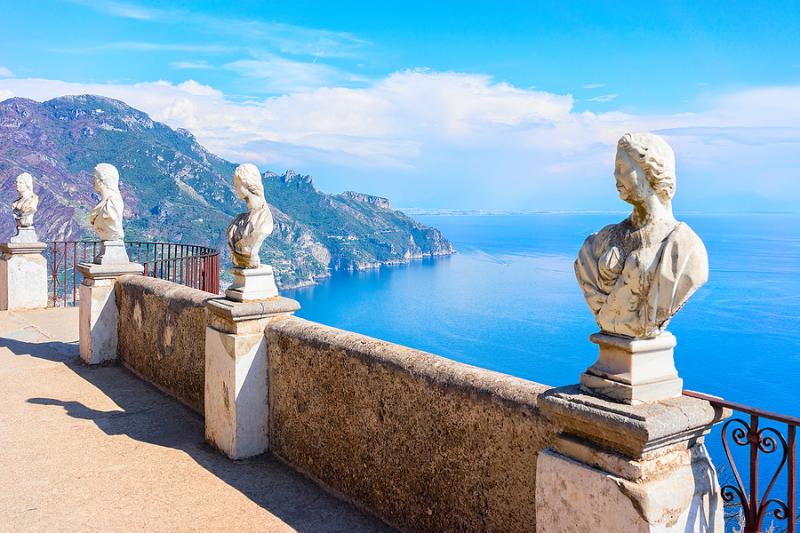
(247,181)
(106,178)
(645,166)
(24,183)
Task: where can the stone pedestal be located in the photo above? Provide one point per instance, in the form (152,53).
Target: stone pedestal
(618,467)
(112,253)
(633,371)
(252,284)
(25,235)
(236,386)
(98,313)
(23,273)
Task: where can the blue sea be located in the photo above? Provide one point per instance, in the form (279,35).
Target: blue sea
(508,301)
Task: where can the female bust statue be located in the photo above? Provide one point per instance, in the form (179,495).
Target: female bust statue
(248,230)
(106,217)
(27,203)
(637,274)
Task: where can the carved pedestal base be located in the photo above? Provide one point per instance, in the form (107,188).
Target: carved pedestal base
(252,284)
(112,253)
(684,497)
(98,313)
(633,371)
(26,235)
(23,275)
(619,467)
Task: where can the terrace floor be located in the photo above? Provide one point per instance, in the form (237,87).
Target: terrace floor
(96,449)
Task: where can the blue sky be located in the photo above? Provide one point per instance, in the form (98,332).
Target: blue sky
(496,105)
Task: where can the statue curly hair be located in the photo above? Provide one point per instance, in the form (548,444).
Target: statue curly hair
(656,158)
(248,175)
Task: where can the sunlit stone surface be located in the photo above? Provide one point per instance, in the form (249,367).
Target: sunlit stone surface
(23,268)
(236,397)
(23,276)
(98,316)
(637,274)
(98,309)
(106,217)
(24,208)
(248,230)
(251,280)
(628,468)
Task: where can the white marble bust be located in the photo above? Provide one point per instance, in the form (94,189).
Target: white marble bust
(27,203)
(248,230)
(106,217)
(635,275)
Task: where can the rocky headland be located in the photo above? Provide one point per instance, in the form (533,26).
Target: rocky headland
(177,191)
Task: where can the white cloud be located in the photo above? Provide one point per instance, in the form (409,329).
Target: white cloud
(464,140)
(603,98)
(5,72)
(200,64)
(275,74)
(759,106)
(287,38)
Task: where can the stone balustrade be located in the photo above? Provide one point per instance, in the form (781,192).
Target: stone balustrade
(421,441)
(426,443)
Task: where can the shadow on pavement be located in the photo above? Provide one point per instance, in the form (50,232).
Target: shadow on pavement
(148,415)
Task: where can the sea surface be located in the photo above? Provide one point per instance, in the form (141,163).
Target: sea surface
(508,301)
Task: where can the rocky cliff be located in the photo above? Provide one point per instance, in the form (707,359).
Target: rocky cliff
(176,190)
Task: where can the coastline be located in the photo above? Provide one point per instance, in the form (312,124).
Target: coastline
(368,266)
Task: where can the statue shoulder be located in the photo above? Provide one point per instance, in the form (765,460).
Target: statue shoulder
(685,237)
(688,258)
(261,219)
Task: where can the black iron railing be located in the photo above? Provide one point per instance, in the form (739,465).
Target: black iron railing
(755,506)
(187,264)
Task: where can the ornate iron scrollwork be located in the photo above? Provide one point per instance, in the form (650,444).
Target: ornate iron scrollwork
(766,440)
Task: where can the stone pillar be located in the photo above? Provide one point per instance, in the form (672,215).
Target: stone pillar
(23,275)
(633,468)
(236,385)
(98,312)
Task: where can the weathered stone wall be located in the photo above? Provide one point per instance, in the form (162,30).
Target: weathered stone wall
(426,443)
(162,330)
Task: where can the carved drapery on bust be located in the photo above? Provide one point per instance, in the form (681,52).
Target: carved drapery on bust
(106,217)
(635,275)
(248,230)
(27,203)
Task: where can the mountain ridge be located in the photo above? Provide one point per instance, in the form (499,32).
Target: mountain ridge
(174,189)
